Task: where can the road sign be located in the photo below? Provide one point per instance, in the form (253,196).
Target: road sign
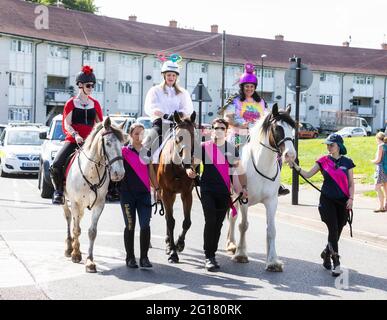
(306,77)
(205,95)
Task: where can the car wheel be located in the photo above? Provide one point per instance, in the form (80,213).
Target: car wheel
(46,189)
(315,135)
(349,136)
(2,173)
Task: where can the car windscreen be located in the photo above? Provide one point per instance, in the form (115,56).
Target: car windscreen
(58,132)
(24,138)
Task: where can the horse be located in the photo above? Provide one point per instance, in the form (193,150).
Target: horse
(172,179)
(270,138)
(97,162)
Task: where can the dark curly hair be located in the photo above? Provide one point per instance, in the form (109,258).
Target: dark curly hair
(242,95)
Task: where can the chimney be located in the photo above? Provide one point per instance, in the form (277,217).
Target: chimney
(345,44)
(214,28)
(133,18)
(173,24)
(384,46)
(279,37)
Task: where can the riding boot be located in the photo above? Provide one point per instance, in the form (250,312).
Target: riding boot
(57,178)
(326,256)
(129,248)
(282,191)
(336,271)
(144,247)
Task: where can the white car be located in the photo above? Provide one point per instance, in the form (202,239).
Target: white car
(120,118)
(53,141)
(20,148)
(348,132)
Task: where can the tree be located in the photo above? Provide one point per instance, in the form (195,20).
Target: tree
(80,5)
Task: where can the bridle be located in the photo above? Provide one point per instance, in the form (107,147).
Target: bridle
(107,167)
(276,149)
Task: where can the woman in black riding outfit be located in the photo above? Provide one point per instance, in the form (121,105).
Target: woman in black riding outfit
(80,114)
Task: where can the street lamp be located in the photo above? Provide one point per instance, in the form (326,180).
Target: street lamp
(262,57)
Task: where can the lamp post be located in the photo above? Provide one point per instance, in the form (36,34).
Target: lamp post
(263,56)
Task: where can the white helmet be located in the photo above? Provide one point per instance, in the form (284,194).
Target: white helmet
(170,66)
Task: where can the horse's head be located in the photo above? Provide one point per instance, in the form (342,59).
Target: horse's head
(106,140)
(279,125)
(184,134)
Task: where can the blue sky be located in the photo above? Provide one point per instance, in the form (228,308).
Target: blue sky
(326,22)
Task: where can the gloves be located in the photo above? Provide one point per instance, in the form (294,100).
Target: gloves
(168,117)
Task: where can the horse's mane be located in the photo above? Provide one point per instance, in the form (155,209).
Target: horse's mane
(92,139)
(262,127)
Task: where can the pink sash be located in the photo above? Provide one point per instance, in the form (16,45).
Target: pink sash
(221,164)
(141,169)
(337,175)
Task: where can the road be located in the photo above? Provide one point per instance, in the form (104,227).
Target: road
(33,266)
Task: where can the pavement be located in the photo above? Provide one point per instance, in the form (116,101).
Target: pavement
(368,226)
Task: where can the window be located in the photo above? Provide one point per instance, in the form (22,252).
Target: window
(99,86)
(124,87)
(59,52)
(86,55)
(326,99)
(19,114)
(359,80)
(323,77)
(369,80)
(101,57)
(356,101)
(16,79)
(268,73)
(21,46)
(204,68)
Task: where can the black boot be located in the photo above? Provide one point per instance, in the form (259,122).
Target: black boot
(57,181)
(336,271)
(210,264)
(129,248)
(326,256)
(144,247)
(282,191)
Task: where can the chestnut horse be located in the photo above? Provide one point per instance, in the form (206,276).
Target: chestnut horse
(173,179)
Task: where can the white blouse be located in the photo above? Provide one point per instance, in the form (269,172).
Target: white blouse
(167,101)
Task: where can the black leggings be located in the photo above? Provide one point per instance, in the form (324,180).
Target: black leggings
(335,215)
(215,207)
(63,154)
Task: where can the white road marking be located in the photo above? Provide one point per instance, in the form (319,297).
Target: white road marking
(16,194)
(101,233)
(148,291)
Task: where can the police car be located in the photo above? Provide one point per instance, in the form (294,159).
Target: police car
(20,147)
(53,141)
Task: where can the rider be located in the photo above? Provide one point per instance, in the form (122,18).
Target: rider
(244,109)
(220,160)
(135,196)
(162,101)
(80,114)
(336,195)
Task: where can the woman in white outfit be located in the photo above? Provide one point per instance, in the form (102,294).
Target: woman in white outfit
(162,101)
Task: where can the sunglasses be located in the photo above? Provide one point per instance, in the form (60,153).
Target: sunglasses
(89,86)
(220,128)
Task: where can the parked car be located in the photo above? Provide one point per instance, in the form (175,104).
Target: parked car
(146,122)
(349,132)
(120,118)
(20,148)
(53,140)
(306,130)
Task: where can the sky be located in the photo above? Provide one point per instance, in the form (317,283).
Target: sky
(330,22)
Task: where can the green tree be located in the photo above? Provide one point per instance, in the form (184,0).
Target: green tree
(80,5)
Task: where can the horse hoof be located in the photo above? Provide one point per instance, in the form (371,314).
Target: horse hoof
(275,268)
(68,253)
(77,258)
(241,259)
(91,268)
(231,249)
(180,245)
(173,258)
